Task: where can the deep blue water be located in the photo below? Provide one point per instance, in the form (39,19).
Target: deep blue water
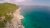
(36,17)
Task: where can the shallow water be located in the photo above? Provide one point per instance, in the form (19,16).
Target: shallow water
(36,18)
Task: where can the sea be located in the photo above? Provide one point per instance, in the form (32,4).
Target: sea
(36,16)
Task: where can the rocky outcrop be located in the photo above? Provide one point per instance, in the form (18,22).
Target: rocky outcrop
(16,21)
(10,16)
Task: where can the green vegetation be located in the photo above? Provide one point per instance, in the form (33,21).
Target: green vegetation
(5,10)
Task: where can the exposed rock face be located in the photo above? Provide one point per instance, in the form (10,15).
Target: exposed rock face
(10,16)
(16,21)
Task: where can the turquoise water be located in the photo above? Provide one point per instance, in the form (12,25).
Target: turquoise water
(36,18)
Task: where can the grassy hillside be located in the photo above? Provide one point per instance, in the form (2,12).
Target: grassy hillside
(6,13)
